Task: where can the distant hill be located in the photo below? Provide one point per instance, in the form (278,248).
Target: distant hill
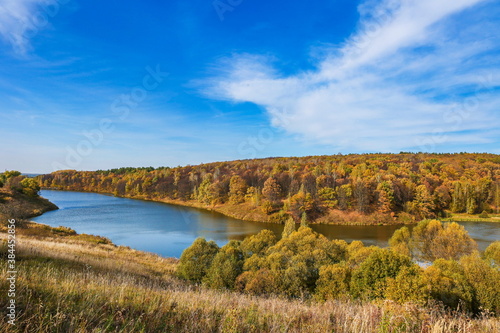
(31,175)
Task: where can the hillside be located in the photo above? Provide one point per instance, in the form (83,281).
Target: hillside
(19,197)
(338,189)
(132,291)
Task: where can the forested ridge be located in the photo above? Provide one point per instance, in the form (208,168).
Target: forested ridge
(356,188)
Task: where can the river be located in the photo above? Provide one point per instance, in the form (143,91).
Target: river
(168,229)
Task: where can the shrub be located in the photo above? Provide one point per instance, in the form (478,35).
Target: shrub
(333,281)
(369,280)
(259,282)
(492,253)
(409,285)
(258,244)
(196,260)
(448,284)
(432,240)
(295,260)
(400,241)
(485,281)
(484,215)
(357,253)
(30,187)
(225,267)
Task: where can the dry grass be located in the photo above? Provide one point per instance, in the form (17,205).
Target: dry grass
(66,284)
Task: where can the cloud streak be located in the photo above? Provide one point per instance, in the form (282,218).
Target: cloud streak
(416,74)
(21,19)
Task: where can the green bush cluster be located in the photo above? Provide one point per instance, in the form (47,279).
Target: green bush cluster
(14,181)
(305,264)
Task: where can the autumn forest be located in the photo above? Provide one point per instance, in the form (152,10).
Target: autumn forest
(343,189)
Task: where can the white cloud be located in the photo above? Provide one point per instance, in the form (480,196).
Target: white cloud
(416,74)
(20,20)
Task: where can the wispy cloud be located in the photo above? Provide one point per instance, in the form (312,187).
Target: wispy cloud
(415,72)
(21,19)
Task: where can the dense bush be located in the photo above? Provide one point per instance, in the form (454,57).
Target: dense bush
(305,264)
(485,282)
(370,279)
(492,253)
(225,267)
(431,240)
(196,260)
(449,285)
(333,281)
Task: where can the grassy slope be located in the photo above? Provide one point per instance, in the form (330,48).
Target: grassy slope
(81,283)
(20,206)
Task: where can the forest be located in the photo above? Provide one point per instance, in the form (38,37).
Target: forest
(399,188)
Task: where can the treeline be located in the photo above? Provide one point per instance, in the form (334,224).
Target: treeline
(304,264)
(378,188)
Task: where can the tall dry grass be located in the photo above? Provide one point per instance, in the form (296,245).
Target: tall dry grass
(66,284)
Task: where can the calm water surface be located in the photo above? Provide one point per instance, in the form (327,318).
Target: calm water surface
(168,229)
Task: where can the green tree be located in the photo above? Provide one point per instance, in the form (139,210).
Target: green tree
(432,239)
(258,244)
(303,220)
(333,281)
(204,193)
(370,278)
(485,281)
(30,187)
(289,228)
(11,173)
(400,241)
(344,195)
(409,285)
(448,284)
(225,267)
(196,260)
(492,253)
(328,196)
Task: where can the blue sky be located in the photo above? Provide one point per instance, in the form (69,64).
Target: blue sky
(92,85)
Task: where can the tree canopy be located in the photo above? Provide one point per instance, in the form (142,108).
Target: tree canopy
(304,264)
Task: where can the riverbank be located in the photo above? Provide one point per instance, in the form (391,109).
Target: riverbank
(472,218)
(248,212)
(251,213)
(67,283)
